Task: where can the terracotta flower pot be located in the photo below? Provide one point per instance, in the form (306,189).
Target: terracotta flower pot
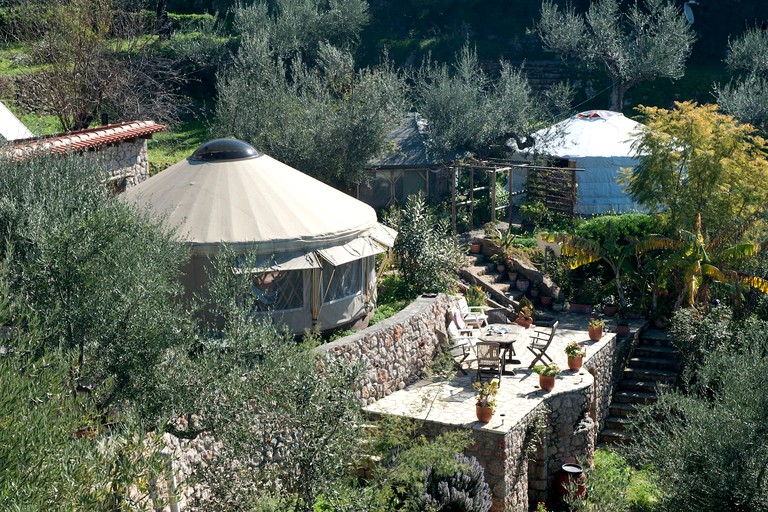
(545,300)
(622,330)
(547,383)
(610,310)
(474,247)
(512,275)
(525,322)
(484,414)
(577,307)
(522,284)
(571,479)
(500,267)
(595,333)
(575,363)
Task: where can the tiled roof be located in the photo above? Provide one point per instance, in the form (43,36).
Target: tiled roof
(86,139)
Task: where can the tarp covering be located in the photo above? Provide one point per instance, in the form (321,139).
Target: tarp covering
(600,141)
(10,127)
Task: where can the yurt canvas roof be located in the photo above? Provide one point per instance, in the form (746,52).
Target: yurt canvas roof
(252,201)
(600,141)
(10,126)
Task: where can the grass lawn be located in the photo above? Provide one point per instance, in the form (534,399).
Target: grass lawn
(177,143)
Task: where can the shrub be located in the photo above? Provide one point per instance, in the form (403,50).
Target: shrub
(635,225)
(428,255)
(465,490)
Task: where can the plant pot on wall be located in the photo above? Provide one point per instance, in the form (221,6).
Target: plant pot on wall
(575,363)
(484,414)
(595,333)
(547,382)
(525,322)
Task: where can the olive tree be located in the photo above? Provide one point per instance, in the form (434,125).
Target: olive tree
(651,39)
(746,97)
(294,92)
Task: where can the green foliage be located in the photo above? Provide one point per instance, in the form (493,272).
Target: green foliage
(428,256)
(650,39)
(468,110)
(722,158)
(745,97)
(102,280)
(706,443)
(295,96)
(406,455)
(623,228)
(464,491)
(698,332)
(534,212)
(614,486)
(550,370)
(476,296)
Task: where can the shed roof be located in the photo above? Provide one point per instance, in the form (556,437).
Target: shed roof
(411,139)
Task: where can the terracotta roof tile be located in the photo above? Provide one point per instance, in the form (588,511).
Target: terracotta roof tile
(85,139)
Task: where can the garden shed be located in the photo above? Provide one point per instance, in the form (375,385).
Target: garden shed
(601,143)
(314,246)
(409,166)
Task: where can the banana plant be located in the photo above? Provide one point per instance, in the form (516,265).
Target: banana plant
(584,251)
(701,262)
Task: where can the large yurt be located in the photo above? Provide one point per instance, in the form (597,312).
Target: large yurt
(600,142)
(314,246)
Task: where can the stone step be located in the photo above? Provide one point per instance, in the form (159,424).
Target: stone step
(654,363)
(654,342)
(655,351)
(647,386)
(615,436)
(650,374)
(621,409)
(634,397)
(653,333)
(617,423)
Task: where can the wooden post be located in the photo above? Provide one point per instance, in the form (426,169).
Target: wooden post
(509,206)
(454,177)
(471,198)
(493,196)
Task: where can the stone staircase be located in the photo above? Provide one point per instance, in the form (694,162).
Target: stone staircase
(481,271)
(654,362)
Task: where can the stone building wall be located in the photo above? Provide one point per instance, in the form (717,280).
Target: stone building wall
(125,162)
(397,351)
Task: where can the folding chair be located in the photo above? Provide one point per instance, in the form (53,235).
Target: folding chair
(458,343)
(540,341)
(472,315)
(488,359)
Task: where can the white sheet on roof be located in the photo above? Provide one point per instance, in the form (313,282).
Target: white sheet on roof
(10,127)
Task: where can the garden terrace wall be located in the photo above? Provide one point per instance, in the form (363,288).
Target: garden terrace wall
(397,351)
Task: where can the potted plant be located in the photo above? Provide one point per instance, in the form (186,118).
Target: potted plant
(485,402)
(546,300)
(596,327)
(525,313)
(534,289)
(586,296)
(575,353)
(547,375)
(498,259)
(610,307)
(622,325)
(522,283)
(511,272)
(559,304)
(476,296)
(474,247)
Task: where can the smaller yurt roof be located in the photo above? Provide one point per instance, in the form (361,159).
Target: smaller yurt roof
(594,133)
(228,192)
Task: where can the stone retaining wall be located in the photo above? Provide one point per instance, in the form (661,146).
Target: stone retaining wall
(397,351)
(126,163)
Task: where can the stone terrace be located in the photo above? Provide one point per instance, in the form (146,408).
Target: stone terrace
(520,453)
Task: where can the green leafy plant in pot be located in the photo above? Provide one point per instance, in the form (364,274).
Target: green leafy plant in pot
(596,327)
(547,375)
(485,402)
(575,353)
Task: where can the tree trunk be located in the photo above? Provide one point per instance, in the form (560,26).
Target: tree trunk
(617,95)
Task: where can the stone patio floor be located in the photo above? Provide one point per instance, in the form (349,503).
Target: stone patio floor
(452,401)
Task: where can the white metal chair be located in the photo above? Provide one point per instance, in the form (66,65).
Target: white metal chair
(540,342)
(472,315)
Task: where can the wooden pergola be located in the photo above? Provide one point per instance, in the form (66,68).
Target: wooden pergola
(554,186)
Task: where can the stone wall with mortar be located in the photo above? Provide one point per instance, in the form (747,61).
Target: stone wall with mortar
(397,351)
(125,162)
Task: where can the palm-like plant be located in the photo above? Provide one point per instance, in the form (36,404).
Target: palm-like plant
(584,251)
(701,261)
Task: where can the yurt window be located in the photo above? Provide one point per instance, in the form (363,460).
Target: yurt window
(278,290)
(342,281)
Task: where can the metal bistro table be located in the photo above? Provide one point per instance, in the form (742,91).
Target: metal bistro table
(505,335)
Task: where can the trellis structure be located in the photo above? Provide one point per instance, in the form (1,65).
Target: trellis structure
(555,186)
